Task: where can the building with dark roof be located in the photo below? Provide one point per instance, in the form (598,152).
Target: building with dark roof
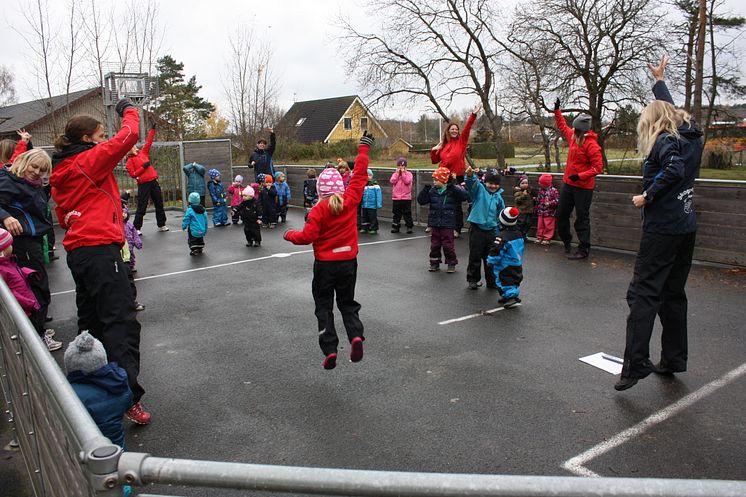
(329,120)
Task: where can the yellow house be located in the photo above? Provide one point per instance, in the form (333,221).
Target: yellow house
(329,120)
(400,148)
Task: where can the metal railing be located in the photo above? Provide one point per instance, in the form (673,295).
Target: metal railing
(66,454)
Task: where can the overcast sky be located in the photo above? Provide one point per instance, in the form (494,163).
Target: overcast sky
(301,33)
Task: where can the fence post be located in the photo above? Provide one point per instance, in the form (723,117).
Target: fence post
(101,465)
(182,181)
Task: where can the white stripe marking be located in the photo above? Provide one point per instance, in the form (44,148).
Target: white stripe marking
(576,464)
(281,254)
(480,313)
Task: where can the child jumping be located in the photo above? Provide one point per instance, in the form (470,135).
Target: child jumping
(401,196)
(487,203)
(444,197)
(331,230)
(195,223)
(372,201)
(506,258)
(217,194)
(283,195)
(546,207)
(310,195)
(235,191)
(250,211)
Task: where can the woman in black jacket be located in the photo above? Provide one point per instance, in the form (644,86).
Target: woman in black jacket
(672,146)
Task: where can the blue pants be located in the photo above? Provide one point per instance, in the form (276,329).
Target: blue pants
(220,215)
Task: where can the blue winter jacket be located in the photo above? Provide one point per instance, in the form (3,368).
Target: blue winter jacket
(195,177)
(217,192)
(506,256)
(668,177)
(106,395)
(372,196)
(195,219)
(283,193)
(486,206)
(442,212)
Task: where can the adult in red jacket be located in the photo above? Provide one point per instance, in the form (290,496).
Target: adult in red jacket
(140,168)
(584,162)
(451,154)
(88,208)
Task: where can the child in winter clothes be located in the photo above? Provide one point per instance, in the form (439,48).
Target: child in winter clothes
(401,196)
(218,196)
(506,258)
(250,211)
(310,195)
(487,203)
(283,195)
(372,201)
(524,202)
(139,167)
(235,191)
(17,280)
(128,253)
(344,170)
(195,222)
(331,230)
(443,197)
(269,202)
(546,207)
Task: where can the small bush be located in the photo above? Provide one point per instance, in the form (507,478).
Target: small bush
(717,157)
(486,150)
(291,151)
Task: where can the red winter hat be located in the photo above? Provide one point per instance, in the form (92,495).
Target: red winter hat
(545,180)
(268,178)
(442,174)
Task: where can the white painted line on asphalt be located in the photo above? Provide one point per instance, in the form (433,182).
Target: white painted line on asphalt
(280,255)
(480,313)
(576,464)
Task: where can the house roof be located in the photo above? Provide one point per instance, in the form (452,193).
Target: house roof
(23,115)
(319,117)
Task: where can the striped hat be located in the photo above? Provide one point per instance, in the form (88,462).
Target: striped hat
(330,181)
(509,216)
(6,239)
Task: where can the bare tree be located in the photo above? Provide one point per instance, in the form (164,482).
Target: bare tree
(99,40)
(428,49)
(7,87)
(699,62)
(600,49)
(70,47)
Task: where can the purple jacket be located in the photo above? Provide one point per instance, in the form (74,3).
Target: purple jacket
(133,240)
(17,280)
(402,185)
(546,202)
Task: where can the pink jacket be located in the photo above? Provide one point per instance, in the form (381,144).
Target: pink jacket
(402,185)
(235,191)
(17,280)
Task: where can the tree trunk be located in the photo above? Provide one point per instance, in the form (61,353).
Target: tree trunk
(699,63)
(689,58)
(714,80)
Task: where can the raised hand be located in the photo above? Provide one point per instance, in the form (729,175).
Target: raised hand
(557,104)
(25,136)
(477,108)
(123,104)
(367,139)
(658,71)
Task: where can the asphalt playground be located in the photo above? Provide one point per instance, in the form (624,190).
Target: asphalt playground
(449,383)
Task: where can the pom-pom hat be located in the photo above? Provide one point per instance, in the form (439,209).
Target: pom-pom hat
(85,354)
(329,181)
(509,216)
(442,174)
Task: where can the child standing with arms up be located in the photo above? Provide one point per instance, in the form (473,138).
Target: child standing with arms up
(217,194)
(401,196)
(546,207)
(235,191)
(331,230)
(195,223)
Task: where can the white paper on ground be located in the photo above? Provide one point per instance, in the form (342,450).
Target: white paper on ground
(600,361)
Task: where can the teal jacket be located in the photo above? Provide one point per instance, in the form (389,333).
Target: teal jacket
(196,220)
(486,206)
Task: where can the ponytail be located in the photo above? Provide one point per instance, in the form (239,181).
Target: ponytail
(75,129)
(336,204)
(579,137)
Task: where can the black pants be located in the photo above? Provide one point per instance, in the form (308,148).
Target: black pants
(523,223)
(253,232)
(146,192)
(283,212)
(28,252)
(196,243)
(235,216)
(369,219)
(131,279)
(330,277)
(480,243)
(572,197)
(402,208)
(106,307)
(657,287)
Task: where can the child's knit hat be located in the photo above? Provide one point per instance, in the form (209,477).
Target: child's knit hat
(85,354)
(213,173)
(370,173)
(6,239)
(522,177)
(238,178)
(492,175)
(278,174)
(545,180)
(267,179)
(330,181)
(582,123)
(401,161)
(194,198)
(509,216)
(442,174)
(248,192)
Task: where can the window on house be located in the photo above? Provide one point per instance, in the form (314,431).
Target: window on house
(300,122)
(363,123)
(348,123)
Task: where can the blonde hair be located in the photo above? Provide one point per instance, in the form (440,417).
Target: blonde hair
(658,117)
(336,203)
(7,147)
(34,156)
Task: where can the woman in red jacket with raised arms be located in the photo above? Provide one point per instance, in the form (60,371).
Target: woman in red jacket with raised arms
(140,168)
(584,162)
(451,154)
(332,229)
(89,209)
